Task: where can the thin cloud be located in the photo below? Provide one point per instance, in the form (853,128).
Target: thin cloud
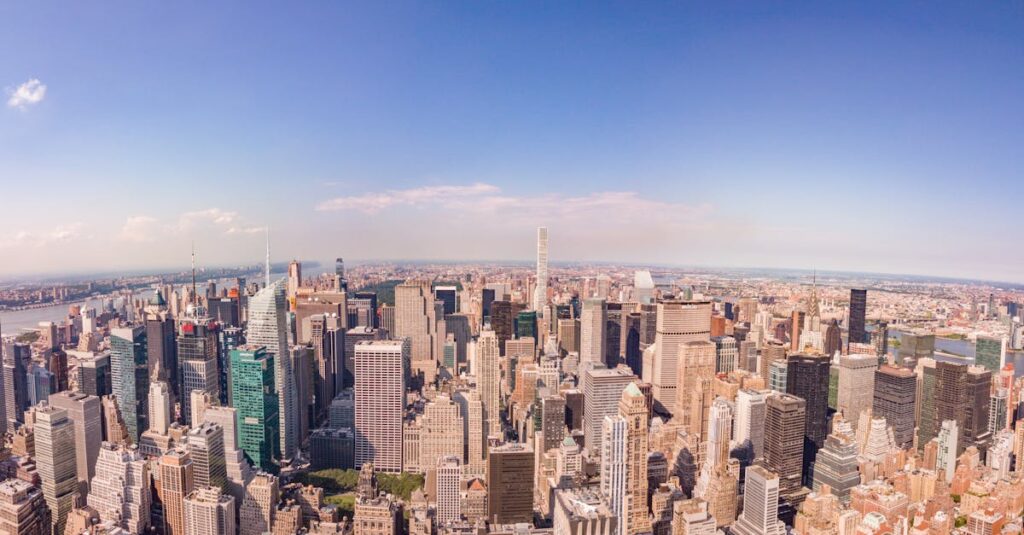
(27,94)
(138,229)
(59,234)
(375,202)
(215,216)
(487,199)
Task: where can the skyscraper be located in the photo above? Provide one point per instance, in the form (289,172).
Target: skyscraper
(677,322)
(602,392)
(488,378)
(760,504)
(381,370)
(256,402)
(206,445)
(85,416)
(785,420)
(129,374)
(748,423)
(696,368)
(593,339)
(510,470)
(540,294)
(55,459)
(23,509)
(208,512)
(17,358)
(614,465)
(267,327)
(198,349)
(449,481)
(120,492)
(807,377)
(418,318)
(176,482)
(633,410)
(858,312)
(990,353)
(836,464)
(856,385)
(894,399)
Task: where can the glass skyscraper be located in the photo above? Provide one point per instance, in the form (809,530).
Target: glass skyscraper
(130,377)
(256,403)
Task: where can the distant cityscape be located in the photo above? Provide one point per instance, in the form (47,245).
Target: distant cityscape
(457,398)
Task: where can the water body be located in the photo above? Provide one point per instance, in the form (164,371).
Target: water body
(965,349)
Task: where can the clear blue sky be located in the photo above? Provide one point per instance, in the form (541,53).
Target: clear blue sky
(860,136)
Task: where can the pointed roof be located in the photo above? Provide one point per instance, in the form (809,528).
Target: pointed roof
(158,299)
(633,390)
(568,441)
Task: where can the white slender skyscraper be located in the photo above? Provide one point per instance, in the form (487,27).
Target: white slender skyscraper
(540,294)
(268,328)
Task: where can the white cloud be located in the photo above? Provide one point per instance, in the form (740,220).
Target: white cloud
(215,216)
(27,94)
(246,230)
(138,228)
(374,202)
(487,199)
(41,238)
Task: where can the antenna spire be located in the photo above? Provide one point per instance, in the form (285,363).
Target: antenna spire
(268,258)
(194,294)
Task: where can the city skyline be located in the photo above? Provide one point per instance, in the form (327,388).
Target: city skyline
(863,138)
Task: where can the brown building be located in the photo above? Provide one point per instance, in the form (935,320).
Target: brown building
(510,472)
(784,441)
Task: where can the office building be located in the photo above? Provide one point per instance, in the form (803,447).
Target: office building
(206,446)
(540,294)
(256,514)
(449,483)
(23,509)
(86,418)
(381,371)
(760,504)
(488,378)
(593,336)
(858,312)
(129,375)
(694,395)
(785,420)
(895,399)
(418,317)
(198,347)
(120,491)
(807,377)
(256,402)
(94,375)
(677,322)
(602,390)
(510,470)
(267,327)
(176,482)
(990,353)
(56,454)
(208,512)
(856,385)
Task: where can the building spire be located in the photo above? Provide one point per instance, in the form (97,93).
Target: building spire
(194,295)
(268,258)
(812,306)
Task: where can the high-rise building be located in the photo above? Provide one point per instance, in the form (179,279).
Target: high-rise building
(256,402)
(85,415)
(176,482)
(614,464)
(583,511)
(129,373)
(858,313)
(633,410)
(488,378)
(962,394)
(924,408)
(593,338)
(856,385)
(510,470)
(198,348)
(540,294)
(833,338)
(449,296)
(256,514)
(748,424)
(208,512)
(417,318)
(990,353)
(56,462)
(726,354)
(267,327)
(948,448)
(17,358)
(442,431)
(206,445)
(94,375)
(120,492)
(677,322)
(161,407)
(602,390)
(807,377)
(381,371)
(694,394)
(785,420)
(760,504)
(836,464)
(161,355)
(449,482)
(23,509)
(895,399)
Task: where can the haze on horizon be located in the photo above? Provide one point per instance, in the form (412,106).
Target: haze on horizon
(867,137)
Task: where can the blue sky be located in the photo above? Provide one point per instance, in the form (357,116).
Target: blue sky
(853,136)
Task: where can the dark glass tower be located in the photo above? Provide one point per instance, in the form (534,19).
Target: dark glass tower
(858,311)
